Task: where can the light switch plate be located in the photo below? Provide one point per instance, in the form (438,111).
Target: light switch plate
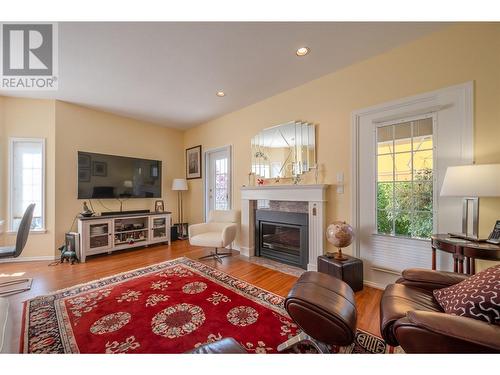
(340,182)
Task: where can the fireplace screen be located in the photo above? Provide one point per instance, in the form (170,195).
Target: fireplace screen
(282,236)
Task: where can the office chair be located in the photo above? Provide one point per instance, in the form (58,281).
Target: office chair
(15,251)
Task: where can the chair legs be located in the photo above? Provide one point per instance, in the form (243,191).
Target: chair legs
(19,285)
(303,337)
(216,255)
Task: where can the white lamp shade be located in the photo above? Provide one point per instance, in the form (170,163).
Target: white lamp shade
(128,184)
(472,181)
(179,184)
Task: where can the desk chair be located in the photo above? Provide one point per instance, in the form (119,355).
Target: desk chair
(15,251)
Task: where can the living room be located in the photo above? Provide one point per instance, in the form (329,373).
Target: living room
(246,188)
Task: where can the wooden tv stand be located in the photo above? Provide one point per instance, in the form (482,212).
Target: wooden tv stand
(105,234)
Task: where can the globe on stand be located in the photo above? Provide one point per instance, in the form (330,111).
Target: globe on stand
(339,234)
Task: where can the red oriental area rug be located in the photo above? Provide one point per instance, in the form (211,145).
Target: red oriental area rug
(171,307)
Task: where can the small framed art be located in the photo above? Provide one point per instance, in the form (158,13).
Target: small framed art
(159,206)
(193,162)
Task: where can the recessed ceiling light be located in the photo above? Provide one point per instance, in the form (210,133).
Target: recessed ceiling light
(220,93)
(302,51)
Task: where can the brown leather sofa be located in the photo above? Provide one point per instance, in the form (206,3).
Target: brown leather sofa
(412,318)
(227,345)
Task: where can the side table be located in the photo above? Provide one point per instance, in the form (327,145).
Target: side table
(463,251)
(350,271)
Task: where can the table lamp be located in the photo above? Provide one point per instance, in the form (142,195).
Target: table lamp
(180,185)
(471,182)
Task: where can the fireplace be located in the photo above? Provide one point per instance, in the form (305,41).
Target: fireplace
(314,206)
(282,236)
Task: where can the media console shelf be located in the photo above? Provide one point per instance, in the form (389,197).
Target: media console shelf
(105,234)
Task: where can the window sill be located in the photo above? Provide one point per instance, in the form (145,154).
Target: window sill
(33,231)
(401,237)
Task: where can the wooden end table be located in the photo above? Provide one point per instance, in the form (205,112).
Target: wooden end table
(350,271)
(463,251)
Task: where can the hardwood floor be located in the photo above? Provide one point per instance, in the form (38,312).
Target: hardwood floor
(50,278)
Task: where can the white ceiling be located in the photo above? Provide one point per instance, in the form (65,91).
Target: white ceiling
(168,73)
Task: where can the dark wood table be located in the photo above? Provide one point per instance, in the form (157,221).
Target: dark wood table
(463,251)
(349,270)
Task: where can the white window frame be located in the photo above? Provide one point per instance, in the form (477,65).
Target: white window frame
(12,141)
(435,201)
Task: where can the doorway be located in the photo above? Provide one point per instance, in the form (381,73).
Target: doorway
(218,176)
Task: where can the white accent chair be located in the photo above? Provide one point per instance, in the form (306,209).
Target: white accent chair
(218,232)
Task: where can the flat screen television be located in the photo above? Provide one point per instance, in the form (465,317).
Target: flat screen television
(103,176)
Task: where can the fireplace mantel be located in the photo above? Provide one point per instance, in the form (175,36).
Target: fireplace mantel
(302,193)
(315,195)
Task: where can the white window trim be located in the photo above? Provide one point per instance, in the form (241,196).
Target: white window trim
(423,104)
(13,140)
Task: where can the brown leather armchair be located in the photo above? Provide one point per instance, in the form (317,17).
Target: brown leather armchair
(410,317)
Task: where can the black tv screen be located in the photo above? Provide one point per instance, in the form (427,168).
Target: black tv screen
(103,176)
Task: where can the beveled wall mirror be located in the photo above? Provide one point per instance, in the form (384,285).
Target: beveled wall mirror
(284,151)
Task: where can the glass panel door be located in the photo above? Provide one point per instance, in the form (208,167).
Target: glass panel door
(218,180)
(159,228)
(99,235)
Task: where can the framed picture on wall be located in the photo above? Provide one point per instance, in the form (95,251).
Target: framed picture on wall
(193,162)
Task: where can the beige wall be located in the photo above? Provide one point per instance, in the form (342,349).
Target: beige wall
(68,128)
(31,118)
(452,56)
(83,129)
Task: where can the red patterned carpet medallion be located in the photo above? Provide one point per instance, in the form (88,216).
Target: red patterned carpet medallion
(171,307)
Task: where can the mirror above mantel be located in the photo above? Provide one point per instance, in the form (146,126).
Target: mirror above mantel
(284,151)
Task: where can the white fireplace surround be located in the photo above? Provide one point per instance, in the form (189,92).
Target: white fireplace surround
(314,195)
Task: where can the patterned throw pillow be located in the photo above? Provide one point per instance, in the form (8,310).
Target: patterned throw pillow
(476,297)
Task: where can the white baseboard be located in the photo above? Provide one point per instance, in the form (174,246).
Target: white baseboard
(373,285)
(28,259)
(312,267)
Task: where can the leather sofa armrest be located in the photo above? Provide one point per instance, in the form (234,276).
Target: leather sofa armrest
(457,327)
(429,279)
